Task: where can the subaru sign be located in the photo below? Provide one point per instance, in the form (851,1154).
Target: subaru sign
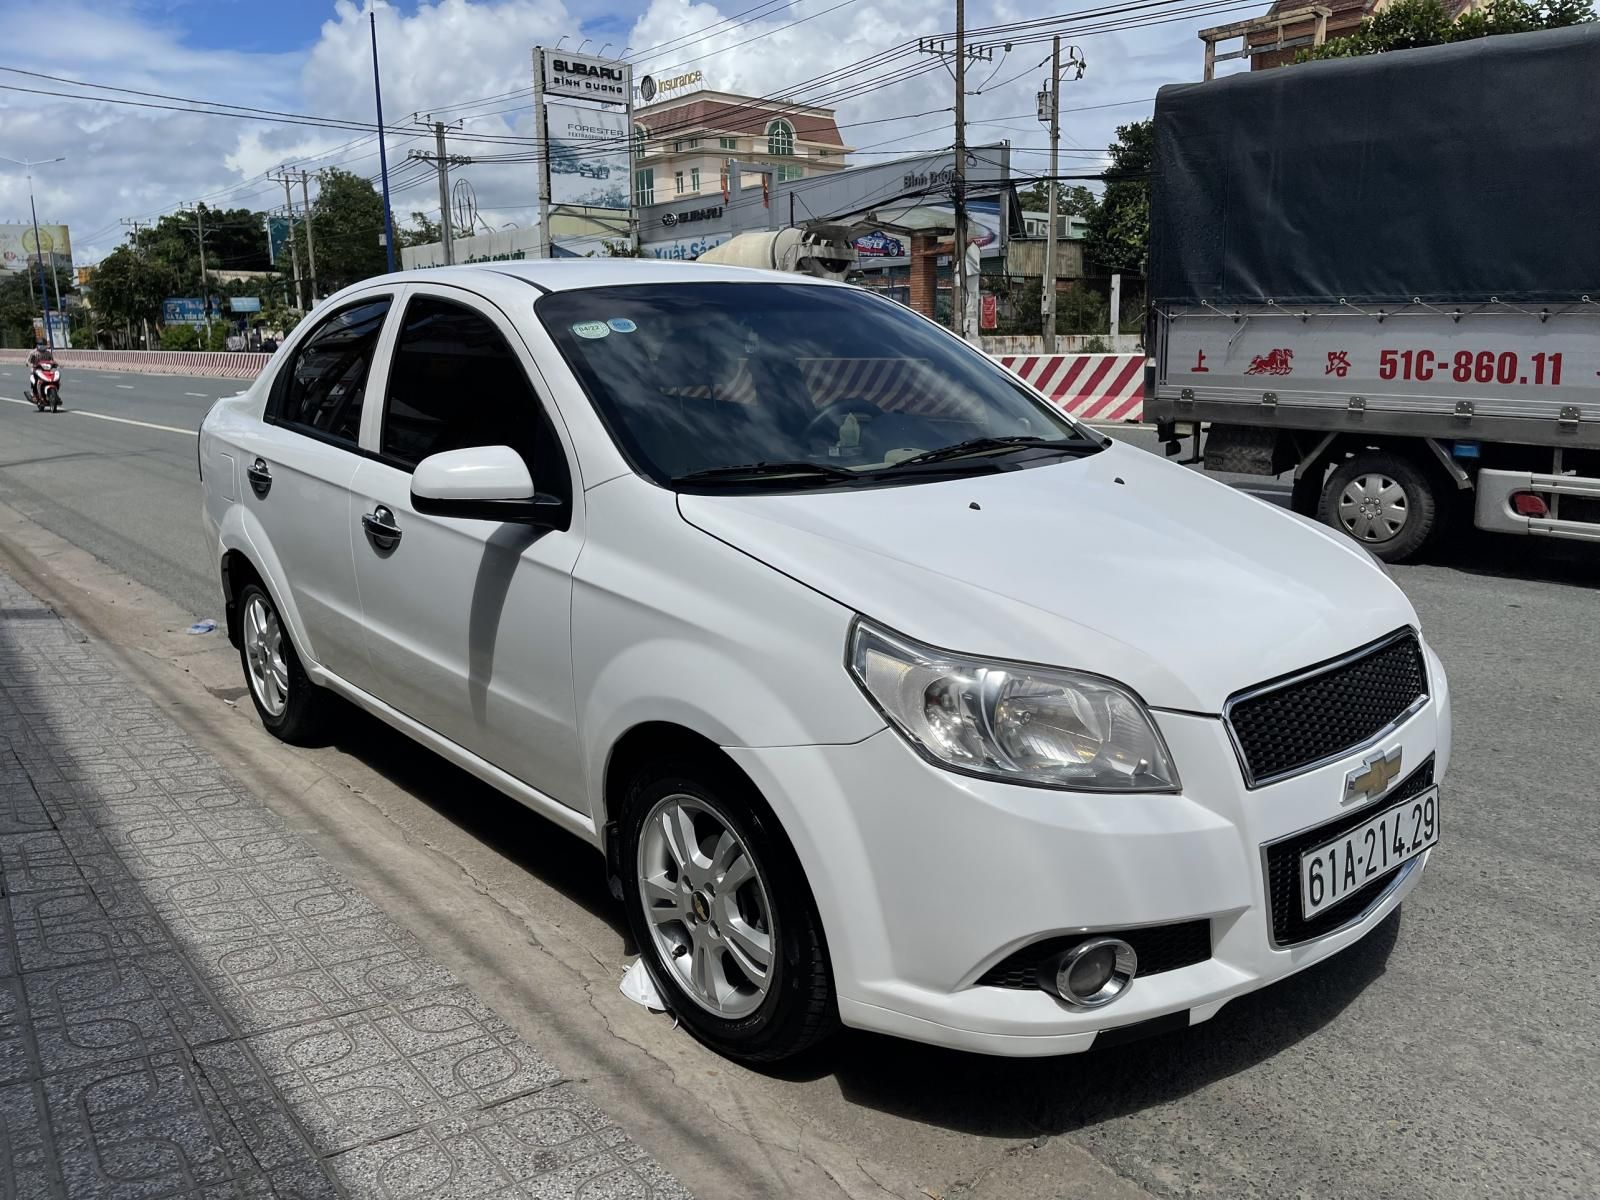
(586,77)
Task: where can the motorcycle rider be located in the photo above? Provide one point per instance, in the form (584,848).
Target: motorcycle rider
(40,353)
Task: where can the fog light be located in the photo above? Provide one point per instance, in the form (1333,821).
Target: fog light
(1092,974)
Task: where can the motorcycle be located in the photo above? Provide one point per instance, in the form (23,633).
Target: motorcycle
(47,386)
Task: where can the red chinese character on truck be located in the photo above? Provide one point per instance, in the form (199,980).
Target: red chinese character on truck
(1273,362)
(1338,363)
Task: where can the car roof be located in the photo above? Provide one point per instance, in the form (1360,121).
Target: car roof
(572,274)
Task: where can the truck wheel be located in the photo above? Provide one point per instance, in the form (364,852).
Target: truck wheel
(1383,501)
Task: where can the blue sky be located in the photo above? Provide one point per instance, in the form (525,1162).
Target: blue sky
(285,26)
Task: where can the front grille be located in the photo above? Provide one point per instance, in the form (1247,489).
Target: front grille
(1283,869)
(1317,715)
(1159,947)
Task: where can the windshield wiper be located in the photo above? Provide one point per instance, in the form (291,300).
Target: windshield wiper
(991,445)
(767,470)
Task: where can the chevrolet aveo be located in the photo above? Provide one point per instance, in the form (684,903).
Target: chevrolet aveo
(892,696)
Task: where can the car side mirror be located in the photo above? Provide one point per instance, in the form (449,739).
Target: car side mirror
(483,483)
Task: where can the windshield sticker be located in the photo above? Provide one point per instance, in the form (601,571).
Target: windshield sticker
(591,329)
(621,325)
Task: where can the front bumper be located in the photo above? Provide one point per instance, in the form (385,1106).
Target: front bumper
(924,878)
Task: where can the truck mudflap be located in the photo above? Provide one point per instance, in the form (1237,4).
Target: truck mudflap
(1563,506)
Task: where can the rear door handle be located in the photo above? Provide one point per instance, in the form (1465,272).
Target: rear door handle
(260,477)
(381,529)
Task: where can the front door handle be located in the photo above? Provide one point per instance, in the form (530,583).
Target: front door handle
(381,529)
(260,478)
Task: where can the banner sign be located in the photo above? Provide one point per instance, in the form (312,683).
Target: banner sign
(17,249)
(183,310)
(277,239)
(588,156)
(878,244)
(244,304)
(586,77)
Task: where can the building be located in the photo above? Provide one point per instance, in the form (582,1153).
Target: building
(1069,226)
(1277,42)
(683,145)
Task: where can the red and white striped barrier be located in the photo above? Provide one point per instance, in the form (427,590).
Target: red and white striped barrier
(1092,387)
(218,364)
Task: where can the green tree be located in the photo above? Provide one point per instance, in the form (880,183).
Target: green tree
(1074,201)
(1408,24)
(422,232)
(236,240)
(129,287)
(19,304)
(346,229)
(1119,226)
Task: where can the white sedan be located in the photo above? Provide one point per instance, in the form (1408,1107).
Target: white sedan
(892,696)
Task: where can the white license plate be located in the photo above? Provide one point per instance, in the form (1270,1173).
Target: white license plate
(1335,869)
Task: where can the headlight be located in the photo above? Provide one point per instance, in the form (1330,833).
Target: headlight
(1008,721)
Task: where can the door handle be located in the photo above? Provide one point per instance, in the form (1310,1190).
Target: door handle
(260,477)
(381,529)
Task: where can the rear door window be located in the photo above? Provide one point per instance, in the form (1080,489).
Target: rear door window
(322,389)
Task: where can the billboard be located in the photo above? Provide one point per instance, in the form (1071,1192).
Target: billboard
(183,310)
(277,239)
(16,246)
(588,156)
(584,76)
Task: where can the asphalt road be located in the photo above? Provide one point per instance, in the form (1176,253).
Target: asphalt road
(127,493)
(1451,1054)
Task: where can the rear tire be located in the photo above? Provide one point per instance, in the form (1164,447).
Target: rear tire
(1385,502)
(746,971)
(288,703)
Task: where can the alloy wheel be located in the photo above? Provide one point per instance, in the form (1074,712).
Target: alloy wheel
(1372,508)
(264,656)
(706,906)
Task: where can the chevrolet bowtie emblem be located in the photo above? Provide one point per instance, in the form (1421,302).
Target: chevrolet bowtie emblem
(1373,777)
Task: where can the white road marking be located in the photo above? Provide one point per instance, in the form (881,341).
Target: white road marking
(202,395)
(78,412)
(129,386)
(140,424)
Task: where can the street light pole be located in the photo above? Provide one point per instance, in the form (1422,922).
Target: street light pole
(28,164)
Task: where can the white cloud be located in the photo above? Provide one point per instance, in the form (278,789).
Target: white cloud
(137,162)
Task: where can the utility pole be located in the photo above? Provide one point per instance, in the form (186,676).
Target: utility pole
(311,246)
(542,133)
(442,161)
(961,53)
(205,286)
(285,178)
(1048,282)
(135,224)
(959,295)
(28,164)
(383,154)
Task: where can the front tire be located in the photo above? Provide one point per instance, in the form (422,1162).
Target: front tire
(1385,502)
(286,700)
(722,914)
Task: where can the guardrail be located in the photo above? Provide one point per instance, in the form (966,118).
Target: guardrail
(1094,387)
(220,364)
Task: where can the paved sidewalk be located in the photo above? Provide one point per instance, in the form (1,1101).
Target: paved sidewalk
(192,1003)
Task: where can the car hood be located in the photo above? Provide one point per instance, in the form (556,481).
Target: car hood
(1120,563)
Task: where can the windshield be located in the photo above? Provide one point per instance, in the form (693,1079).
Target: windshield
(780,386)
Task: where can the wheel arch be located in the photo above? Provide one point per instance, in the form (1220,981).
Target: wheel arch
(247,556)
